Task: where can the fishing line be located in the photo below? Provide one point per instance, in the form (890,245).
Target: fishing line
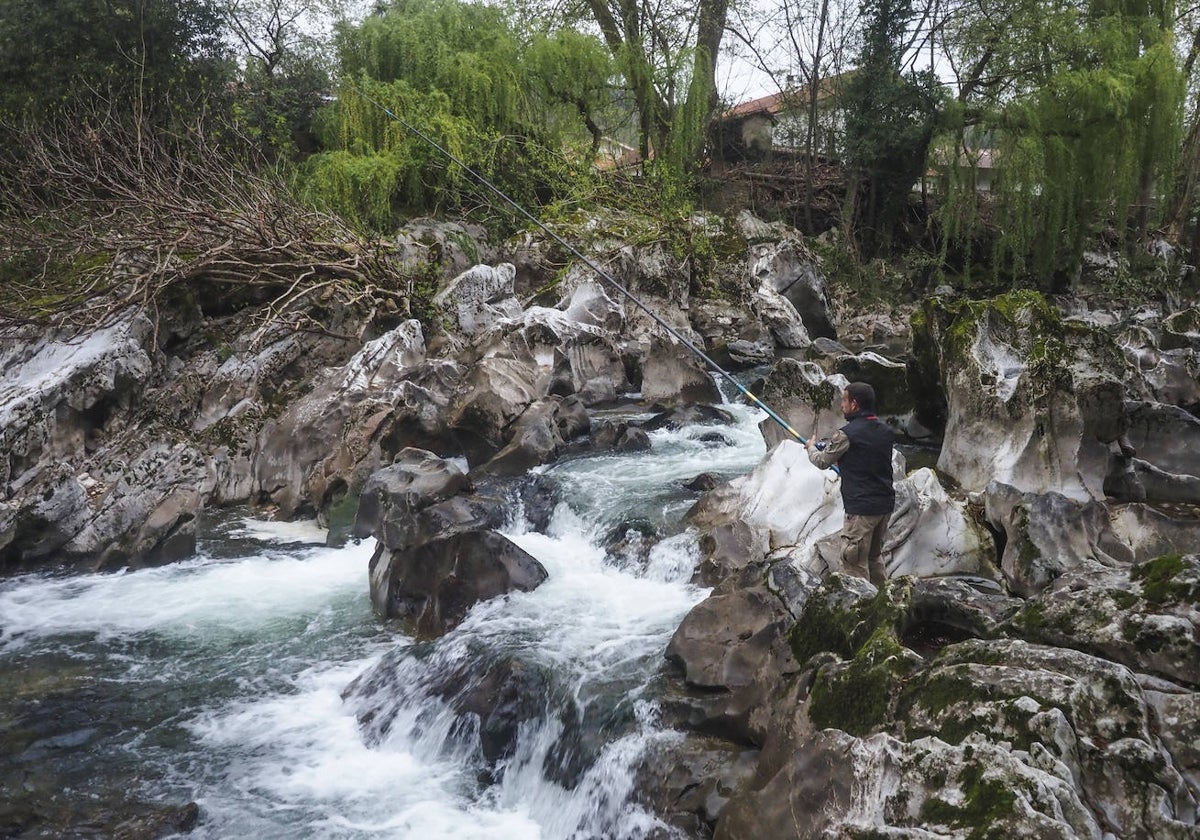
(601,273)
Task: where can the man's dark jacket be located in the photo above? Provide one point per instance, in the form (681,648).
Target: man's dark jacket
(866,466)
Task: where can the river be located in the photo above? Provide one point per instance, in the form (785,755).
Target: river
(236,680)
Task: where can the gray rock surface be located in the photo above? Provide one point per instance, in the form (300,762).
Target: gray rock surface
(432,586)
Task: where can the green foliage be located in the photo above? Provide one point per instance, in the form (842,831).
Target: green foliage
(688,129)
(572,69)
(424,282)
(1087,121)
(890,120)
(52,51)
(523,114)
(277,110)
(464,50)
(360,188)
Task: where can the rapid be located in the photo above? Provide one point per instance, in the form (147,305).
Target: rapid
(255,681)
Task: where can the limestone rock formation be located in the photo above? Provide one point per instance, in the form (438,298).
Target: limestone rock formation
(438,553)
(1029,402)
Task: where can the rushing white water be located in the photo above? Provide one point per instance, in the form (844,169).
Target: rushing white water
(230,680)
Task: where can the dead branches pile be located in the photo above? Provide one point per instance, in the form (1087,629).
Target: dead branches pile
(97,215)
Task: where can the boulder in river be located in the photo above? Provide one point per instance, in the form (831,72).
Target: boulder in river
(432,586)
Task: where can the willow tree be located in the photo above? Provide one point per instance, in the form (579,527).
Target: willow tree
(461,74)
(1084,101)
(1183,209)
(667,53)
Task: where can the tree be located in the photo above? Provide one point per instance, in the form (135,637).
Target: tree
(1085,102)
(890,122)
(667,53)
(124,50)
(286,73)
(508,106)
(1182,215)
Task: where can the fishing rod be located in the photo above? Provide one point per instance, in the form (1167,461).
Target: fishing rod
(601,273)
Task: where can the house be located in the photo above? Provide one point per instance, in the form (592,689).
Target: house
(613,154)
(975,165)
(779,121)
(748,129)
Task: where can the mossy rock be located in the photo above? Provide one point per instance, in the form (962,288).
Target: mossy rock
(787,383)
(987,803)
(1169,579)
(856,695)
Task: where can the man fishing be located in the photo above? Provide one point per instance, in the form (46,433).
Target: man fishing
(862,450)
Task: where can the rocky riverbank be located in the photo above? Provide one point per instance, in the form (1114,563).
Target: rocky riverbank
(1033,665)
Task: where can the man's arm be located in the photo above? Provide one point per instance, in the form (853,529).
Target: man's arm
(834,449)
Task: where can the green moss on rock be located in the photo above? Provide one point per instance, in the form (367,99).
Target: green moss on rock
(857,695)
(987,806)
(828,625)
(1164,581)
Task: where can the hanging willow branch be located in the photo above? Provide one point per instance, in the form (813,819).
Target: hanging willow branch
(98,215)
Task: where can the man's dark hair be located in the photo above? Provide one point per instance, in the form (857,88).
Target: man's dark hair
(863,394)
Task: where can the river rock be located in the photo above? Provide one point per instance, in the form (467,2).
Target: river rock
(497,699)
(689,783)
(450,247)
(931,534)
(591,303)
(539,435)
(237,385)
(780,317)
(735,334)
(1070,717)
(787,266)
(692,414)
(1029,403)
(394,495)
(672,373)
(660,279)
(1162,486)
(492,395)
(839,785)
(806,399)
(1181,329)
(1046,535)
(620,435)
(576,356)
(1143,616)
(432,586)
(477,298)
(148,511)
(356,418)
(58,391)
(1143,532)
(992,734)
(1166,436)
(733,648)
(889,378)
(784,501)
(1165,359)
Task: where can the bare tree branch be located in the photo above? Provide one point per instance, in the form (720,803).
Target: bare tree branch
(98,215)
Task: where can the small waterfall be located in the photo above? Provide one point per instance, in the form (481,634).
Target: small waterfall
(255,681)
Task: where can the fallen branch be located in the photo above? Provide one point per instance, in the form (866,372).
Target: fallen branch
(98,216)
